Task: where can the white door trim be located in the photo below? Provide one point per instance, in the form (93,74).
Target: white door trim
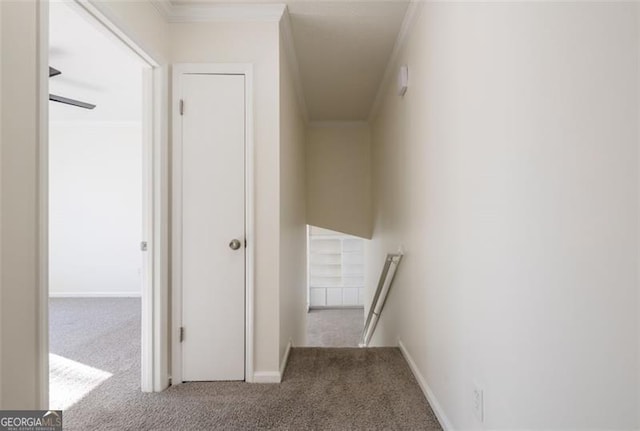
(42,378)
(160,239)
(146,332)
(176,221)
(154,344)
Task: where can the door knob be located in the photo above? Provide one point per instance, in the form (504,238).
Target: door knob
(234,244)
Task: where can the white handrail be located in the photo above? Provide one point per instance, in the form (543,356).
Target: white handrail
(380,297)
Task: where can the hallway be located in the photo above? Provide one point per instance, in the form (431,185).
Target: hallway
(322,388)
(495,146)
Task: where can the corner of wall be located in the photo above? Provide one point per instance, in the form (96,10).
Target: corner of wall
(285,358)
(292,216)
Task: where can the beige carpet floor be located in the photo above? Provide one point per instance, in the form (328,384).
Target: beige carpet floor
(334,327)
(323,388)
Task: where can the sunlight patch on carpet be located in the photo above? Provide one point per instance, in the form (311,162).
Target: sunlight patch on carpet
(70,381)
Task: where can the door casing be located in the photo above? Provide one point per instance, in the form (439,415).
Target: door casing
(245,69)
(155,290)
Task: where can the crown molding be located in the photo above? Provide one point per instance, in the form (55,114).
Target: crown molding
(219,12)
(290,52)
(407,23)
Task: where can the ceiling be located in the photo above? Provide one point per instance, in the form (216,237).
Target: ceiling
(342,49)
(95,68)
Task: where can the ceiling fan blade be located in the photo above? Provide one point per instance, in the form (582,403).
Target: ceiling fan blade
(72,102)
(53,72)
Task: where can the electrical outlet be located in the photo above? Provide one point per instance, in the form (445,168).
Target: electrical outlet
(478,402)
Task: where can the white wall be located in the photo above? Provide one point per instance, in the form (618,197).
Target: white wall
(19,265)
(509,172)
(95,215)
(142,22)
(257,43)
(293,224)
(339,178)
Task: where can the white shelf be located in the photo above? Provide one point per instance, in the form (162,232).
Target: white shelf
(336,269)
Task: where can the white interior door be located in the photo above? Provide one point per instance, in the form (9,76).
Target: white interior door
(213,216)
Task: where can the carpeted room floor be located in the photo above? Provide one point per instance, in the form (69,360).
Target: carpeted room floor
(322,389)
(334,327)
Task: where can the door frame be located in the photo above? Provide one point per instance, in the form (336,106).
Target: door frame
(245,69)
(154,332)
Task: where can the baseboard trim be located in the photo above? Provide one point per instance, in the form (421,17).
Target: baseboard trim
(433,401)
(274,376)
(95,295)
(285,358)
(266,377)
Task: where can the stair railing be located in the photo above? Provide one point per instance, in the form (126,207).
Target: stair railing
(384,284)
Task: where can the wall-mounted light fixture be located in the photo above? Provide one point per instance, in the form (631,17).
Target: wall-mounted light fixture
(403,80)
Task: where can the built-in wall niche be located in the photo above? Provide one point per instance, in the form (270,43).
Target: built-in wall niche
(336,269)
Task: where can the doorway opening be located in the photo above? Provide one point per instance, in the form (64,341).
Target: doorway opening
(335,288)
(98,218)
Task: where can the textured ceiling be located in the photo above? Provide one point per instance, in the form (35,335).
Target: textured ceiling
(343,48)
